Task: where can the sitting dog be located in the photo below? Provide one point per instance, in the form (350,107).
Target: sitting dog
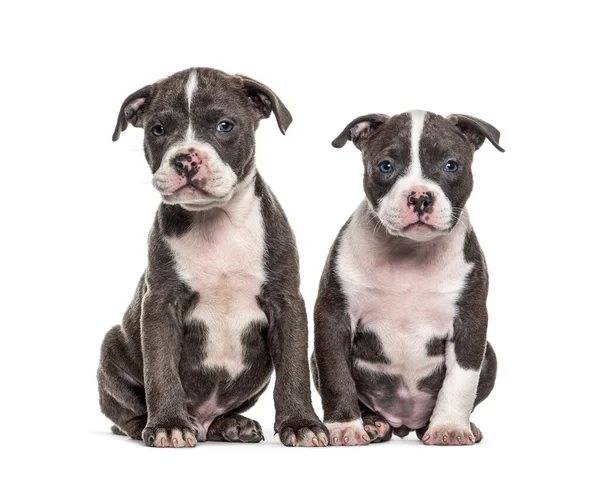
(219,305)
(400,318)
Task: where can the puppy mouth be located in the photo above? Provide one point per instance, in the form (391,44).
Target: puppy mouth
(188,187)
(192,196)
(419,225)
(416,228)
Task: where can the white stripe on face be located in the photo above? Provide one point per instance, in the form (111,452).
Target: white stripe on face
(417,121)
(190,88)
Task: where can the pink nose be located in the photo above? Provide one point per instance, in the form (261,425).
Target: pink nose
(187,161)
(420,200)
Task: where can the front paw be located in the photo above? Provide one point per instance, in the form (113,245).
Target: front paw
(348,433)
(169,434)
(303,432)
(451,434)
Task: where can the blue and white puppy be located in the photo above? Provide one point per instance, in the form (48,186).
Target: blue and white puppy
(218,307)
(401,318)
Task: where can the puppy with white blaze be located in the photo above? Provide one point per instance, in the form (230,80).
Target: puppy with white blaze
(219,305)
(400,318)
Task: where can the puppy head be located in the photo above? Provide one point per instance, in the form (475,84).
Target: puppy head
(418,168)
(199,127)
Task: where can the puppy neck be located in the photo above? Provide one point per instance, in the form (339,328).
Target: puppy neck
(242,202)
(174,220)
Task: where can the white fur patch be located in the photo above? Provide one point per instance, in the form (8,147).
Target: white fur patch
(406,297)
(457,396)
(416,130)
(221,257)
(347,433)
(354,423)
(189,134)
(190,88)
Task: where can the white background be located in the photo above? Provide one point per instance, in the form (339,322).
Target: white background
(76,208)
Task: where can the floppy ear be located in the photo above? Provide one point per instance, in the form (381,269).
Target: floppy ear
(131,111)
(267,101)
(359,130)
(476,130)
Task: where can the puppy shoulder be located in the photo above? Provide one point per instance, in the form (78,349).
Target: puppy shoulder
(331,285)
(473,254)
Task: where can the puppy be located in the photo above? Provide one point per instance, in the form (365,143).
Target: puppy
(219,305)
(400,318)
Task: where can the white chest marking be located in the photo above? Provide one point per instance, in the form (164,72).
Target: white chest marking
(405,294)
(221,258)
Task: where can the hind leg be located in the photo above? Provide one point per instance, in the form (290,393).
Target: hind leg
(123,399)
(377,427)
(121,392)
(125,421)
(234,427)
(487,379)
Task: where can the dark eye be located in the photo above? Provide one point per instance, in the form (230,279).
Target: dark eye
(385,166)
(451,166)
(157,130)
(225,126)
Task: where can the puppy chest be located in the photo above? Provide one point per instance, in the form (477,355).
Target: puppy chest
(405,295)
(222,260)
(399,306)
(401,316)
(406,287)
(225,267)
(404,316)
